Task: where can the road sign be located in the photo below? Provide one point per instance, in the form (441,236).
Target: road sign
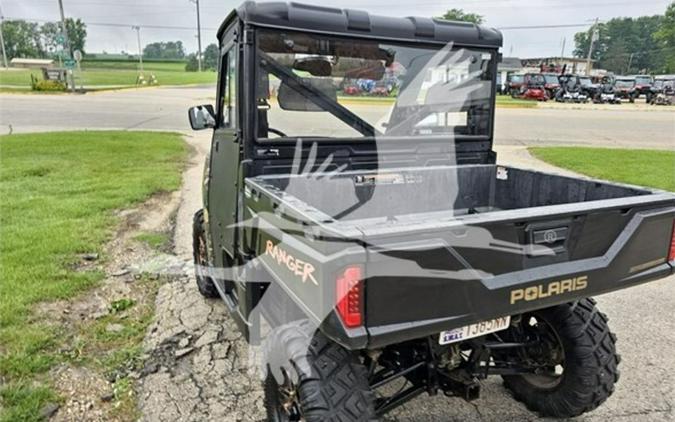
(77,55)
(60,39)
(69,64)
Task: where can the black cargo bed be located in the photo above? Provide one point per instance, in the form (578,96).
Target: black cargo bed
(458,191)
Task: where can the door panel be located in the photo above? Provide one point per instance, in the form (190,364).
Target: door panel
(225,159)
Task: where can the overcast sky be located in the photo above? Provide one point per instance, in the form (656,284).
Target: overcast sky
(181,13)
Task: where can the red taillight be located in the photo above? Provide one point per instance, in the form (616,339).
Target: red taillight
(350,296)
(671,252)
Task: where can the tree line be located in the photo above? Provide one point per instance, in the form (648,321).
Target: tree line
(632,45)
(30,40)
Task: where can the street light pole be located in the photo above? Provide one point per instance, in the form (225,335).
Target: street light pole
(140,50)
(199,36)
(2,40)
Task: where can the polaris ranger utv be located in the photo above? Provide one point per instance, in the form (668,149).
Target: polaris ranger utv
(401,257)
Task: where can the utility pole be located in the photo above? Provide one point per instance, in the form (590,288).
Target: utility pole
(630,62)
(66,43)
(562,51)
(140,50)
(2,40)
(595,34)
(199,36)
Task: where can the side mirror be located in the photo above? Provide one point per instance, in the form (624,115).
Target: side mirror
(202,117)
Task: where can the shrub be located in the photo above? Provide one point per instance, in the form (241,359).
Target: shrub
(192,64)
(39,85)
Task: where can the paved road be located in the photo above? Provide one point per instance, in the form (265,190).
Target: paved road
(165,109)
(211,384)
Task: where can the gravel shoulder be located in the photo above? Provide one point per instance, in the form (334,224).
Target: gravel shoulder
(197,366)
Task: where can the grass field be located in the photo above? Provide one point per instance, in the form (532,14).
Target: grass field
(112,73)
(507,101)
(57,196)
(653,168)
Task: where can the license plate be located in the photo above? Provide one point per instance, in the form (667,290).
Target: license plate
(474,330)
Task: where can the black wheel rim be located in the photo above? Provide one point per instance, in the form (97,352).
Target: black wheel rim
(548,356)
(288,403)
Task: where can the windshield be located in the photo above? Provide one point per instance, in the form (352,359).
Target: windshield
(318,86)
(517,78)
(551,79)
(585,81)
(625,83)
(537,80)
(643,80)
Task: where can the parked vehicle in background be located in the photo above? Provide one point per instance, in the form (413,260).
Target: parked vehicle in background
(533,88)
(588,87)
(643,86)
(551,84)
(571,90)
(605,93)
(500,84)
(624,88)
(516,82)
(351,88)
(663,91)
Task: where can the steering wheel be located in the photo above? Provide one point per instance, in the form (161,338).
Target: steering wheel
(277,132)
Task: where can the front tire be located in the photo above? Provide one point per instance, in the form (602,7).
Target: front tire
(200,255)
(312,379)
(589,363)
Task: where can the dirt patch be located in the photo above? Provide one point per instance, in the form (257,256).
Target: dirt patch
(102,329)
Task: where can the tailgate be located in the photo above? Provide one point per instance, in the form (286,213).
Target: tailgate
(448,275)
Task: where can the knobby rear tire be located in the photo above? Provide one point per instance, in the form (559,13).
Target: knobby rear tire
(591,363)
(331,383)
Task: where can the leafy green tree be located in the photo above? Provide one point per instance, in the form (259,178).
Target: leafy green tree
(51,31)
(665,39)
(22,39)
(77,34)
(192,63)
(211,57)
(624,45)
(462,16)
(171,50)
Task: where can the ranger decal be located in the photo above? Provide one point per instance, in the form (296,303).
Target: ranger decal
(299,268)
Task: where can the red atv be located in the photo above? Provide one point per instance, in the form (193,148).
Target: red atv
(533,88)
(552,84)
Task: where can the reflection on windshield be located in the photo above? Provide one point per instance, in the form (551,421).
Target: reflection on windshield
(625,83)
(551,79)
(320,86)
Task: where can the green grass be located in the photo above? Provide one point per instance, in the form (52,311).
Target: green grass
(157,241)
(112,73)
(507,101)
(57,196)
(652,168)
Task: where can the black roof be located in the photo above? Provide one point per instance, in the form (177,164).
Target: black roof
(351,22)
